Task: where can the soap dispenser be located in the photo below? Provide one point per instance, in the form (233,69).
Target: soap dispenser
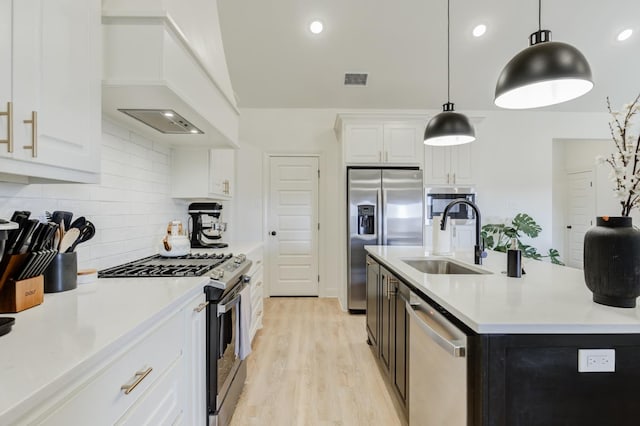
(514,260)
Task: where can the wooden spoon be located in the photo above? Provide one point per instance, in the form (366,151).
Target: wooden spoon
(69,238)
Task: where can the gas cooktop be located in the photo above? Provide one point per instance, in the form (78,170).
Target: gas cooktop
(191,265)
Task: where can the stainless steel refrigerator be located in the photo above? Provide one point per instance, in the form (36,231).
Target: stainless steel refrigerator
(386,207)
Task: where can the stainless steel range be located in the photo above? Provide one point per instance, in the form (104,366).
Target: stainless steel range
(226,372)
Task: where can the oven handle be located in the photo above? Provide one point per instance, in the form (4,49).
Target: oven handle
(222,309)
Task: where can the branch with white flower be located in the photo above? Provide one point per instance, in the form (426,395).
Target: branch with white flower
(625,163)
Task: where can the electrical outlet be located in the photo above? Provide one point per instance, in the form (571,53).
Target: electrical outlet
(596,360)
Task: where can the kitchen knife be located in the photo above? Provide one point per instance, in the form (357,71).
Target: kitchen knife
(36,238)
(27,230)
(19,218)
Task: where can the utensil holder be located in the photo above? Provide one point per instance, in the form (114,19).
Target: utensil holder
(62,273)
(17,296)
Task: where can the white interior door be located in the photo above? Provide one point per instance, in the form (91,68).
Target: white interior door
(293,226)
(581,211)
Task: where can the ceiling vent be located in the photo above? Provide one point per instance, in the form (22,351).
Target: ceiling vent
(354,79)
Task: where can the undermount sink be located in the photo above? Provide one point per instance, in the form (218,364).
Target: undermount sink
(442,266)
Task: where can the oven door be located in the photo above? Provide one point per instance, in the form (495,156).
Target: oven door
(222,362)
(228,326)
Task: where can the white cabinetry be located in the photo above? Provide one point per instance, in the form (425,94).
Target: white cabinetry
(374,139)
(464,237)
(449,165)
(51,74)
(157,378)
(257,289)
(195,362)
(202,173)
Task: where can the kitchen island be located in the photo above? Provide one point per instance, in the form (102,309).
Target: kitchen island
(524,336)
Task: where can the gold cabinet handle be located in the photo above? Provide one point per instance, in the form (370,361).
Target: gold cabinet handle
(454,178)
(34,133)
(386,156)
(200,307)
(259,284)
(9,114)
(140,375)
(379,156)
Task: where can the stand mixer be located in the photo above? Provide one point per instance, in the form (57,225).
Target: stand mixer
(206,227)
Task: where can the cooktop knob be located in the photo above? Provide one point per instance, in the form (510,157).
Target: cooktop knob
(240,258)
(217,273)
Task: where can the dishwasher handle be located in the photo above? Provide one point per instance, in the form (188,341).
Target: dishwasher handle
(455,348)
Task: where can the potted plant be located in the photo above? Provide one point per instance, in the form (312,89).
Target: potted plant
(612,247)
(498,237)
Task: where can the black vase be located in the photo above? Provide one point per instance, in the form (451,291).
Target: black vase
(612,261)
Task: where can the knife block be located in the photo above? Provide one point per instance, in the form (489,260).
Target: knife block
(10,265)
(17,296)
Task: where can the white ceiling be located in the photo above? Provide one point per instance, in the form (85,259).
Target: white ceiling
(275,62)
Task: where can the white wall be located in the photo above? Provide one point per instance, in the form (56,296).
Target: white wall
(130,207)
(292,131)
(512,165)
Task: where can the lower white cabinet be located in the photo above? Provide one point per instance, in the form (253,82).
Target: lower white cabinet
(257,289)
(159,378)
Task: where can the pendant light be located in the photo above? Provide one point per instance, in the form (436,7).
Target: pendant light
(449,127)
(545,73)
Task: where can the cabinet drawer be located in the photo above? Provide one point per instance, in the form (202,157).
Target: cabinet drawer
(257,291)
(161,405)
(101,400)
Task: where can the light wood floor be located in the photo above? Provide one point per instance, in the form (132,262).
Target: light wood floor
(311,365)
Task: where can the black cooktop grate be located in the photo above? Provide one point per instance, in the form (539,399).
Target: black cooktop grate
(191,265)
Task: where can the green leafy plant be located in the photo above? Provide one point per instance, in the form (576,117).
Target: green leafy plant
(498,236)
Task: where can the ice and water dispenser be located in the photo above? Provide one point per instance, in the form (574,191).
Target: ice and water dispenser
(366,220)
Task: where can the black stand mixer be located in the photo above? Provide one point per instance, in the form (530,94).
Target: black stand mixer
(206,228)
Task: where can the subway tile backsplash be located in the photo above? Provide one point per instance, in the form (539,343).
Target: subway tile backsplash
(130,207)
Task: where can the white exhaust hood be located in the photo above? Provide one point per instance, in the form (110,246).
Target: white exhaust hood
(153,75)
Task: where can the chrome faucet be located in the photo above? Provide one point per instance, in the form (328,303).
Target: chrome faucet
(478,252)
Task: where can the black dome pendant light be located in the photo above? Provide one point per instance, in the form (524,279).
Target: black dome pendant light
(449,127)
(545,73)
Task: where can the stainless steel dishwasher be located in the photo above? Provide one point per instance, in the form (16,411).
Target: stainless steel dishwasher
(437,368)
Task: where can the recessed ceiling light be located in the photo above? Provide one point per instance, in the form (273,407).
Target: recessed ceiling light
(625,34)
(316,27)
(479,30)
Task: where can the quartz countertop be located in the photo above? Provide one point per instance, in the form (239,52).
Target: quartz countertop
(547,299)
(54,343)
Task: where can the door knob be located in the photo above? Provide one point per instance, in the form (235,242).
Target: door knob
(568,226)
(273,232)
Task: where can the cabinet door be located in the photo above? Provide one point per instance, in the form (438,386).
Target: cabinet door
(400,346)
(5,72)
(56,73)
(221,172)
(195,362)
(464,237)
(373,290)
(363,143)
(402,143)
(437,165)
(461,163)
(387,319)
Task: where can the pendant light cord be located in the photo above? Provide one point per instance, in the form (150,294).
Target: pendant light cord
(539,15)
(448,54)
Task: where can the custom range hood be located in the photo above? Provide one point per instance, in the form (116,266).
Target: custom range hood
(165,74)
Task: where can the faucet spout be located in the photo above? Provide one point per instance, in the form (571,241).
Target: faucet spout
(478,252)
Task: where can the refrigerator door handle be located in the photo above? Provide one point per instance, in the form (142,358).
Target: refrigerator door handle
(383,221)
(379,216)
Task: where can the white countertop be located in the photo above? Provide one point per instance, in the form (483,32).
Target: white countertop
(547,299)
(51,344)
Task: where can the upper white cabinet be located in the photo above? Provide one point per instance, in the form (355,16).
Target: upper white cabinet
(202,173)
(378,139)
(449,165)
(162,55)
(50,72)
